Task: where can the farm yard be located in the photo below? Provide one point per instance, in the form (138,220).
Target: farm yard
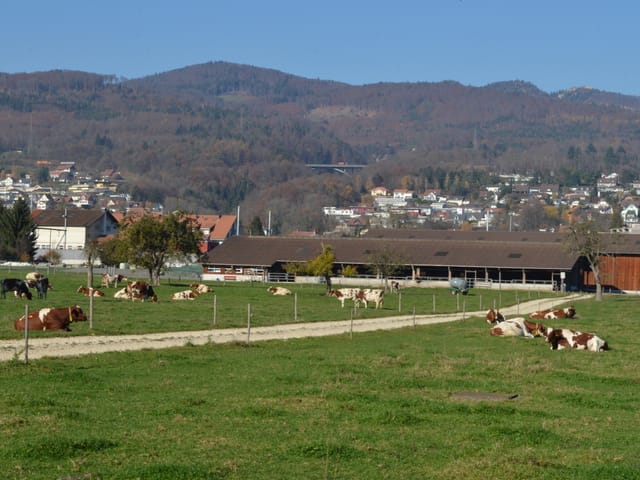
(439,401)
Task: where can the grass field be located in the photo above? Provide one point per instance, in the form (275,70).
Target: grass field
(232,302)
(378,405)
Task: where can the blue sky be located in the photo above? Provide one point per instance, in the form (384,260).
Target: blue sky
(553,44)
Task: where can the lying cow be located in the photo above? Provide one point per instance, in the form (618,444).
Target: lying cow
(343,294)
(494,316)
(373,295)
(19,287)
(279,291)
(90,291)
(200,288)
(552,313)
(518,327)
(52,318)
(122,293)
(561,338)
(142,291)
(185,295)
(112,280)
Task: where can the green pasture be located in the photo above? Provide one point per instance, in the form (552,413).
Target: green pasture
(232,305)
(379,405)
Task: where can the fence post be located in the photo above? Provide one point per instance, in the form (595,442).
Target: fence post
(399,302)
(215,309)
(248,323)
(26,334)
(295,307)
(351,323)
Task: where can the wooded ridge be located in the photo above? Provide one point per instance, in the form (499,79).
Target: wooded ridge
(210,137)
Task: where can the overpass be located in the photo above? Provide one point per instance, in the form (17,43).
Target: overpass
(343,168)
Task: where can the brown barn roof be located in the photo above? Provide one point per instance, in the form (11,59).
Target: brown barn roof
(445,251)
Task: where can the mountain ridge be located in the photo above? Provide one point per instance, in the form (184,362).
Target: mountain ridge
(212,136)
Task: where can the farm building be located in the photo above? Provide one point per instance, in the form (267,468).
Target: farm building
(508,259)
(483,258)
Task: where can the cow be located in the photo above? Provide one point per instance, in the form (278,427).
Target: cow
(343,294)
(52,318)
(553,313)
(90,291)
(518,327)
(122,293)
(142,291)
(279,291)
(20,287)
(494,316)
(112,280)
(32,278)
(395,286)
(42,287)
(561,338)
(200,287)
(185,295)
(373,295)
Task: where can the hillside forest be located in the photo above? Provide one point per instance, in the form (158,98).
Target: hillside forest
(213,137)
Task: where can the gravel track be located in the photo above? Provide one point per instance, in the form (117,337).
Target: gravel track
(93,344)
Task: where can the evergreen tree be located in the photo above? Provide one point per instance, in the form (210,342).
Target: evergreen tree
(17,232)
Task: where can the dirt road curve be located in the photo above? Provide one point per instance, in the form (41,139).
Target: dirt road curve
(73,346)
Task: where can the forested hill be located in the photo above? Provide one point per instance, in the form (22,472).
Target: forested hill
(214,136)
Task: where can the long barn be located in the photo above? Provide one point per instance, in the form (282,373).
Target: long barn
(519,259)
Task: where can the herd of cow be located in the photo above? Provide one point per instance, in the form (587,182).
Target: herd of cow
(61,318)
(558,338)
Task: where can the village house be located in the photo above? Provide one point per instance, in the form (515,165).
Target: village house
(68,231)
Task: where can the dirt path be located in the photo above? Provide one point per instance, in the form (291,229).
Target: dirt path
(73,346)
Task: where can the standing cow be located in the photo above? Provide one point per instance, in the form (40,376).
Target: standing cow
(42,286)
(19,287)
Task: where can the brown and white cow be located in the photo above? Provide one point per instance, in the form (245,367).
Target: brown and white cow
(90,291)
(373,295)
(122,293)
(185,295)
(279,291)
(561,338)
(518,327)
(343,294)
(140,290)
(108,280)
(32,278)
(200,288)
(553,313)
(52,318)
(494,316)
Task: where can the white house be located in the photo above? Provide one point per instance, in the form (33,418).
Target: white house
(68,231)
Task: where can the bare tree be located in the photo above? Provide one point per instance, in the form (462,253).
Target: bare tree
(586,240)
(386,263)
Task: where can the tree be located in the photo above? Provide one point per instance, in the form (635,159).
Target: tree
(386,263)
(18,232)
(255,227)
(111,252)
(322,265)
(151,242)
(585,240)
(91,253)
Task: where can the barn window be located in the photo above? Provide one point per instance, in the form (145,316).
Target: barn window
(441,254)
(515,255)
